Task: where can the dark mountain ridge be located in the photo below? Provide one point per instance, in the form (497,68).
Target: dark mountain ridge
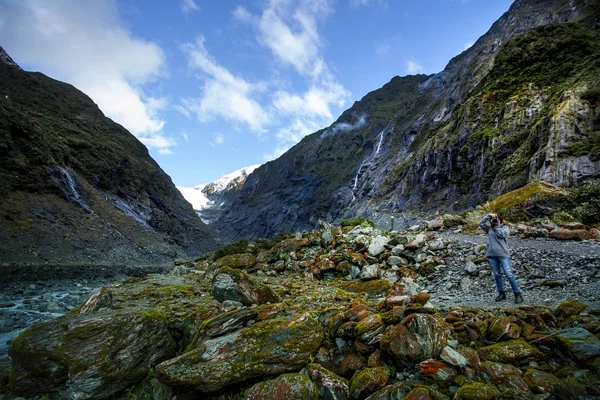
(78,188)
(505,112)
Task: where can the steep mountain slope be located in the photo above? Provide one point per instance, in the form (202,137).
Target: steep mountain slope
(78,188)
(517,106)
(210,199)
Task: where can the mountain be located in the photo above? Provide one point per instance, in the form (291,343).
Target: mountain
(210,199)
(520,105)
(77,188)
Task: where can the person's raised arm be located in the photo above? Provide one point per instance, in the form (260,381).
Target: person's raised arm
(483,223)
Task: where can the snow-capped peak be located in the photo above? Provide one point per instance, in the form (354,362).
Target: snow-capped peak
(200,196)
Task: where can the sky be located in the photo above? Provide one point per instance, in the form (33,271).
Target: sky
(212,86)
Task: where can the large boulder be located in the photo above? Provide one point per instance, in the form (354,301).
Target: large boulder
(284,387)
(236,285)
(269,347)
(392,392)
(377,245)
(569,308)
(510,352)
(89,356)
(243,260)
(583,346)
(331,386)
(417,338)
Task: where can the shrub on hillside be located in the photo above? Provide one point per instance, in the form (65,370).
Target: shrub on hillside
(586,200)
(241,246)
(357,221)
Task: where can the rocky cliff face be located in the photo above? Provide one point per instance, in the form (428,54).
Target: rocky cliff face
(520,105)
(78,188)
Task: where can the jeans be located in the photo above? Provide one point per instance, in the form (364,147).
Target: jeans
(503,263)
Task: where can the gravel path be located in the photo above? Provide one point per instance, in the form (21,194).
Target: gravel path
(574,267)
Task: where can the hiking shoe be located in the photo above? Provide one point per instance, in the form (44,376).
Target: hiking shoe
(501,296)
(518,298)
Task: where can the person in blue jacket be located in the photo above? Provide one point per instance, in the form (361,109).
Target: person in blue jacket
(498,255)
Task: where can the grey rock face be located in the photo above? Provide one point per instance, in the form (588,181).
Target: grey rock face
(230,284)
(89,356)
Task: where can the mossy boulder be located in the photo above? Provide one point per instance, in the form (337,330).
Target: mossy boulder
(583,346)
(369,329)
(331,386)
(452,220)
(89,356)
(377,287)
(438,370)
(228,322)
(284,387)
(417,338)
(236,285)
(569,308)
(368,381)
(501,328)
(100,299)
(510,352)
(504,375)
(540,381)
(477,391)
(266,348)
(391,392)
(418,393)
(244,260)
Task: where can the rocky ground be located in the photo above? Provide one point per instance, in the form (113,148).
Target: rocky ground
(333,314)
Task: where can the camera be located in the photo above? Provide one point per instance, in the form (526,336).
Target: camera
(495,221)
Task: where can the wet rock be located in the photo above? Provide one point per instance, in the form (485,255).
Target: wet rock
(418,393)
(417,338)
(330,385)
(392,392)
(377,245)
(229,305)
(369,272)
(472,268)
(504,375)
(244,260)
(284,387)
(368,381)
(89,356)
(540,381)
(436,224)
(236,285)
(228,322)
(370,329)
(269,347)
(509,352)
(453,357)
(100,299)
(477,391)
(583,346)
(569,308)
(438,370)
(500,329)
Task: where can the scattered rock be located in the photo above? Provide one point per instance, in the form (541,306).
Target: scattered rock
(377,245)
(510,352)
(368,381)
(583,346)
(331,386)
(244,260)
(569,308)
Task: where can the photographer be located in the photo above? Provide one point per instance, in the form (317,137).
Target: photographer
(498,256)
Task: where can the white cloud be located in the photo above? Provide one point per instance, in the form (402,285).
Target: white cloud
(413,68)
(219,138)
(382,49)
(224,95)
(364,3)
(188,6)
(289,29)
(185,136)
(87,45)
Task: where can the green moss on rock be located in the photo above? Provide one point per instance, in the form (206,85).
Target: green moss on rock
(477,391)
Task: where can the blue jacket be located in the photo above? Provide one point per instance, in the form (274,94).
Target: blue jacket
(497,236)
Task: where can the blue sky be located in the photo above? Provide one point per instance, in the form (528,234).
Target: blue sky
(214,86)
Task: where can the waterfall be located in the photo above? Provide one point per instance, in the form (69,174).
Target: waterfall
(379,144)
(71,189)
